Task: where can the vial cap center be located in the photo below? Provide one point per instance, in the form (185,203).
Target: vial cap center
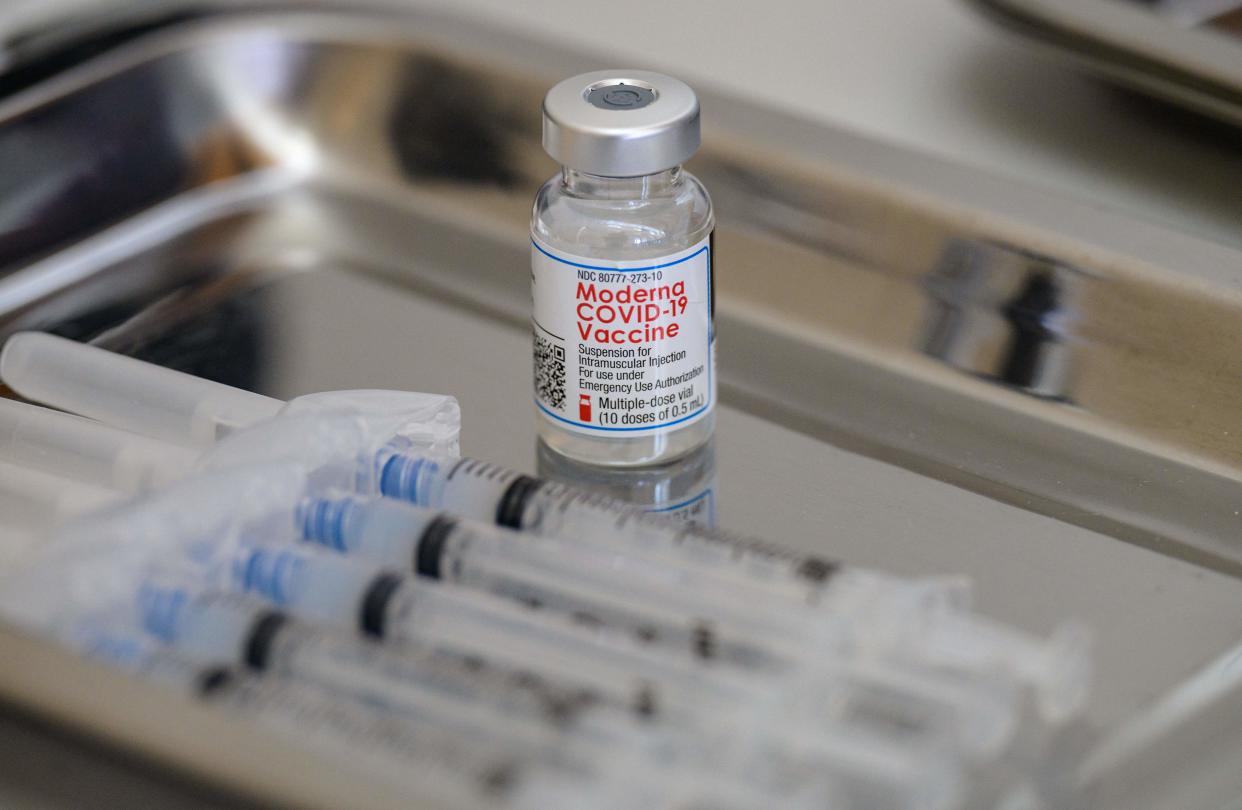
(620,97)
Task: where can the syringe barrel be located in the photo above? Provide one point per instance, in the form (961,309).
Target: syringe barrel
(318,587)
(33,499)
(15,544)
(382,530)
(423,679)
(353,595)
(213,627)
(1058,667)
(920,706)
(87,451)
(128,393)
(650,602)
(210,628)
(429,761)
(493,494)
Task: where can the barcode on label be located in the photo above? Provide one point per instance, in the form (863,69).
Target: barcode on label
(550,373)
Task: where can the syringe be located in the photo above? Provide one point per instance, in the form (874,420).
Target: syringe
(451,689)
(86,451)
(322,443)
(488,492)
(252,501)
(659,606)
(937,632)
(312,665)
(853,764)
(187,509)
(222,505)
(144,536)
(384,604)
(38,501)
(33,503)
(436,765)
(598,589)
(348,595)
(568,727)
(38,364)
(183,409)
(128,392)
(430,763)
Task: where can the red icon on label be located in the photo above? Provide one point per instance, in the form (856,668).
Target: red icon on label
(584,407)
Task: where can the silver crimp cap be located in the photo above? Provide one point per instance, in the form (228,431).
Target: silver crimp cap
(621,123)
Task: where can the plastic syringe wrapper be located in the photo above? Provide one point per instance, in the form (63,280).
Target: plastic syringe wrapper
(86,451)
(347,447)
(338,450)
(180,408)
(97,561)
(37,501)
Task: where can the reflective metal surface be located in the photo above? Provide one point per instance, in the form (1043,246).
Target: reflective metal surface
(1199,68)
(923,368)
(1006,315)
(229,126)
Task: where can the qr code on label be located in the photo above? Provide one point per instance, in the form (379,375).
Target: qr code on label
(550,373)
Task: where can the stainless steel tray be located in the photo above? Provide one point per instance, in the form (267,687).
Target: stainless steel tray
(922,368)
(1197,68)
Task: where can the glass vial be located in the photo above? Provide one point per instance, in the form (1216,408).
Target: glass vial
(622,274)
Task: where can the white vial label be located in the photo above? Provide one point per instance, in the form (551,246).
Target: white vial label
(623,348)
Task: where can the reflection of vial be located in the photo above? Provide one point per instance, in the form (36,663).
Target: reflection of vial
(684,489)
(622,265)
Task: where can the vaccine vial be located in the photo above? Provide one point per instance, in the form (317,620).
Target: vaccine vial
(622,267)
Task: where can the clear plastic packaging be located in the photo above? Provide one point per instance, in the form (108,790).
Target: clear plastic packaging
(347,448)
(183,409)
(338,450)
(189,529)
(87,451)
(38,501)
